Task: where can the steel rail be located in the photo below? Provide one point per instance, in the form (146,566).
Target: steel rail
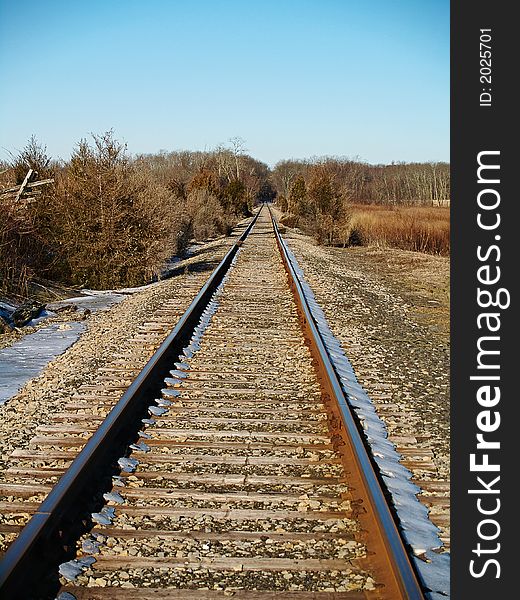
(390,539)
(43,543)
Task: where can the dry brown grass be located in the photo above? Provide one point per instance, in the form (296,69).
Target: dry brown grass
(418,228)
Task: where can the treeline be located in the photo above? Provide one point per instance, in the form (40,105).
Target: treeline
(423,184)
(111,219)
(333,200)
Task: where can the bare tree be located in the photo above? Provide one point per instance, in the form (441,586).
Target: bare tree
(238,149)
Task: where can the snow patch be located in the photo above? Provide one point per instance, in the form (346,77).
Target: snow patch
(27,357)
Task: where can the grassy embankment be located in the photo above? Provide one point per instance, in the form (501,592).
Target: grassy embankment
(417,228)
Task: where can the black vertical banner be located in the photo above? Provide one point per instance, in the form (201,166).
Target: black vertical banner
(484,318)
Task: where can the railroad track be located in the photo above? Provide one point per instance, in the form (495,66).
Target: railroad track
(229,467)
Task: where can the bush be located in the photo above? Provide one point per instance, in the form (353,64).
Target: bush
(116,224)
(15,232)
(208,218)
(23,249)
(33,156)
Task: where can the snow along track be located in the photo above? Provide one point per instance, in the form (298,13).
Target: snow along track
(419,532)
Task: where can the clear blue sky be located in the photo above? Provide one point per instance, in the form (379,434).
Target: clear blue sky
(293,78)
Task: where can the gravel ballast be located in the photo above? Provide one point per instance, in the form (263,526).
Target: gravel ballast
(390,310)
(109,333)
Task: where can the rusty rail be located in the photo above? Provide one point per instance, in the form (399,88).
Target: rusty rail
(44,542)
(402,581)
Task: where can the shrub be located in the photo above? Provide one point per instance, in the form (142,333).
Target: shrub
(23,248)
(15,231)
(326,211)
(33,156)
(116,224)
(208,218)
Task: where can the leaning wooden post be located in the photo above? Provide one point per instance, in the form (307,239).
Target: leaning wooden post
(24,184)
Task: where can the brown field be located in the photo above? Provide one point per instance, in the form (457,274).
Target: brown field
(418,228)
